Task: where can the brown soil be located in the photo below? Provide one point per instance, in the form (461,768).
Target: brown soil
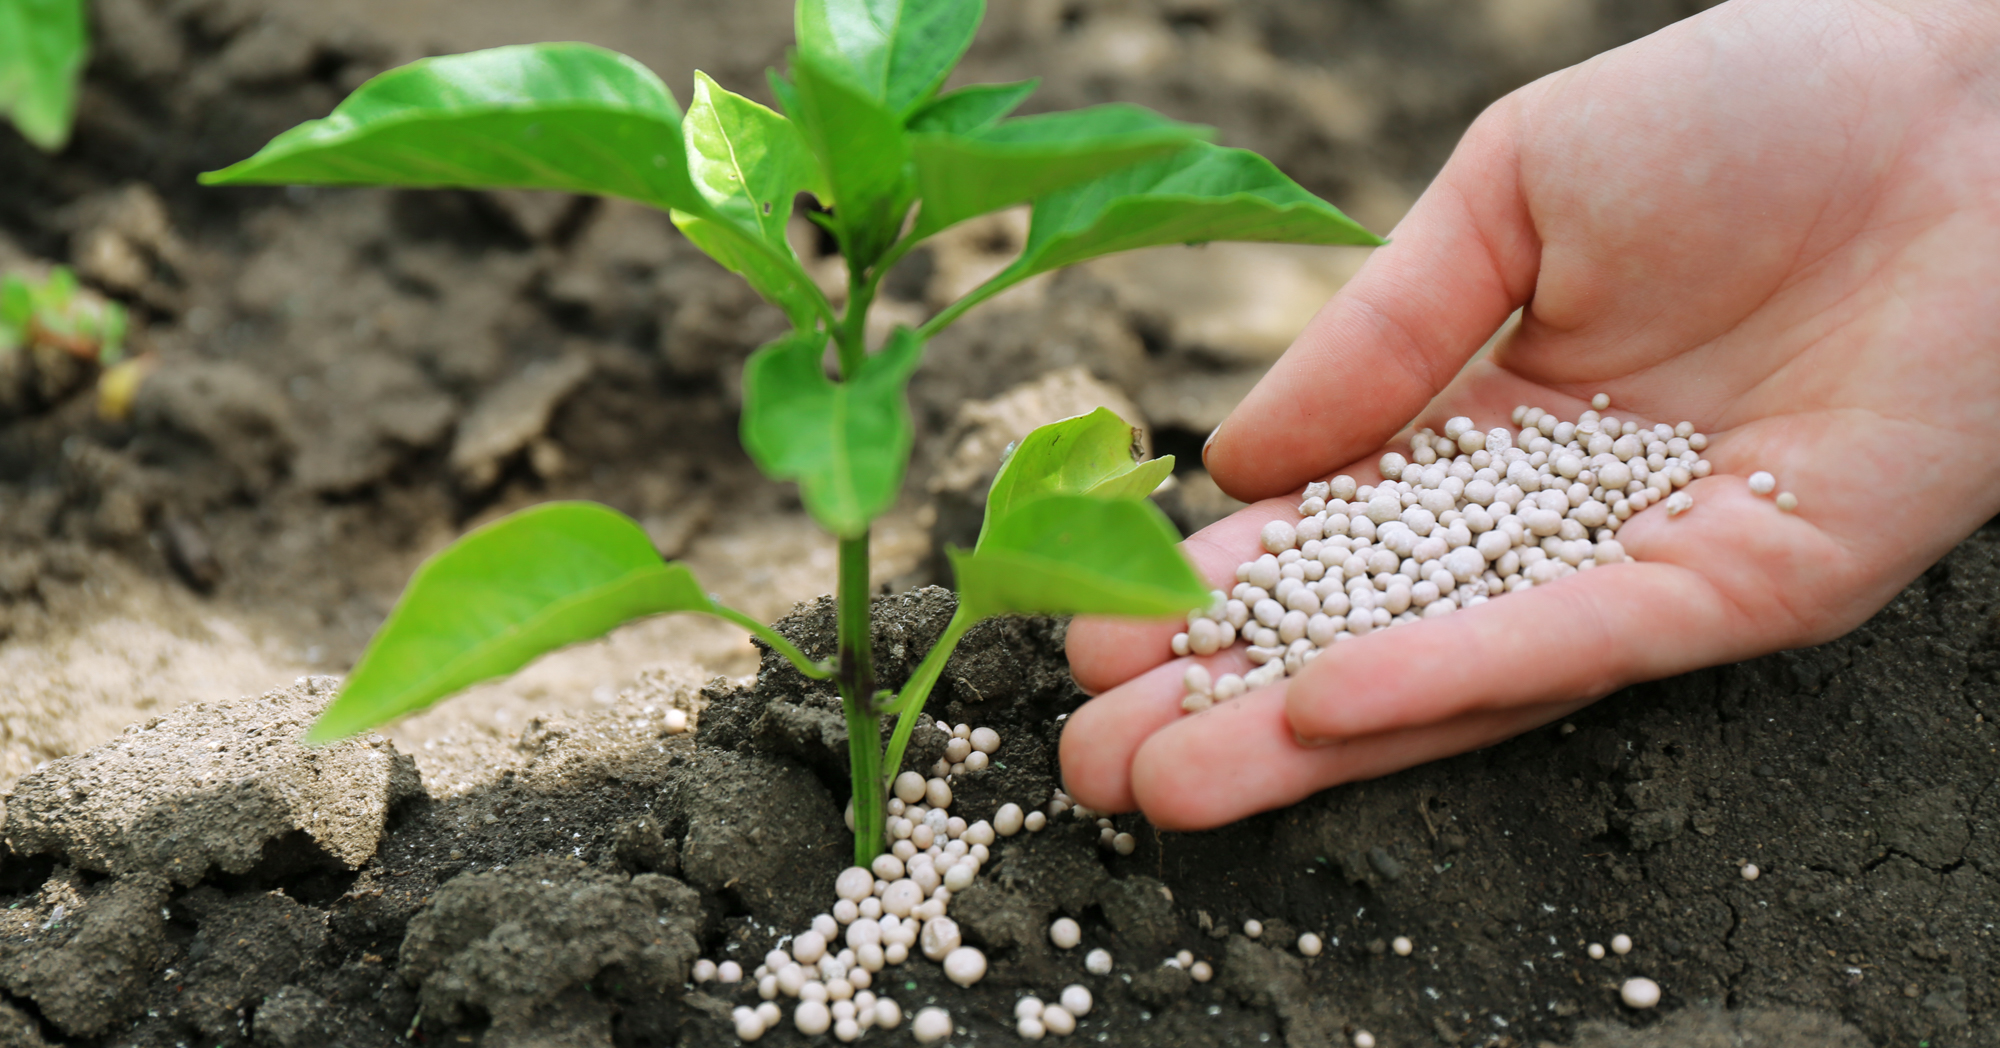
(345,380)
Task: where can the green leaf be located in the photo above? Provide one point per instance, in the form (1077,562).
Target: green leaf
(1201,194)
(568,117)
(1095,454)
(960,176)
(42,48)
(846,443)
(490,603)
(747,161)
(972,108)
(778,277)
(899,51)
(1079,555)
(864,153)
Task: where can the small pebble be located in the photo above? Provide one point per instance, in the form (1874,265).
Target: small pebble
(1253,928)
(1639,993)
(1678,503)
(1310,946)
(909,787)
(931,1025)
(1596,951)
(1750,871)
(1098,962)
(1621,944)
(1030,1028)
(676,721)
(1065,933)
(1008,820)
(888,1014)
(812,1018)
(749,1025)
(1201,971)
(1057,1020)
(1028,1006)
(728,972)
(1787,502)
(1600,401)
(1034,821)
(1762,483)
(986,741)
(1402,945)
(704,970)
(1364,1039)
(965,965)
(1076,999)
(1124,844)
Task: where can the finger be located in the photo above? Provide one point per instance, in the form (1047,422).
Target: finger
(1106,652)
(1460,262)
(1239,758)
(1100,738)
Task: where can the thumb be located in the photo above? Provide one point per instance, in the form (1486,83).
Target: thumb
(1462,260)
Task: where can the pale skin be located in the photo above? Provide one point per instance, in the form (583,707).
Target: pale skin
(1779,220)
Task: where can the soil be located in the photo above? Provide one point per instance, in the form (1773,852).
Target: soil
(341,381)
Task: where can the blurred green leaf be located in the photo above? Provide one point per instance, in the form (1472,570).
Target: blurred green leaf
(1095,454)
(972,108)
(960,176)
(899,51)
(863,152)
(568,117)
(42,48)
(846,443)
(1079,555)
(494,600)
(1203,193)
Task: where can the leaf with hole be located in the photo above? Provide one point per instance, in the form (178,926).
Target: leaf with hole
(500,596)
(960,176)
(1095,454)
(42,49)
(1079,555)
(568,117)
(899,51)
(846,443)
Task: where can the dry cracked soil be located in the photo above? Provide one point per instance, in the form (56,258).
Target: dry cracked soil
(341,381)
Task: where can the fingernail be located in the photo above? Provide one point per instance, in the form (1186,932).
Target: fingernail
(1206,443)
(1312,743)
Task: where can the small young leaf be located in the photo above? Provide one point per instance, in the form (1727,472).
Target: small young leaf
(42,47)
(748,161)
(846,443)
(974,108)
(1078,555)
(500,596)
(1203,193)
(899,51)
(568,117)
(864,153)
(961,176)
(1094,454)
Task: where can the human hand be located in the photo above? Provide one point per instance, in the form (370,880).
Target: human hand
(1777,220)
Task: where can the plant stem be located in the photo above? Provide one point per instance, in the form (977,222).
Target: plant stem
(855,672)
(851,336)
(777,641)
(918,689)
(1001,281)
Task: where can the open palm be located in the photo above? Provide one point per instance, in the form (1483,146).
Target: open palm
(1778,220)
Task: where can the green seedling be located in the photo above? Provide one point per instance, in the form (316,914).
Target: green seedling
(891,159)
(55,315)
(42,46)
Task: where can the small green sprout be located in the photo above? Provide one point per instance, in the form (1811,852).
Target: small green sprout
(865,127)
(55,314)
